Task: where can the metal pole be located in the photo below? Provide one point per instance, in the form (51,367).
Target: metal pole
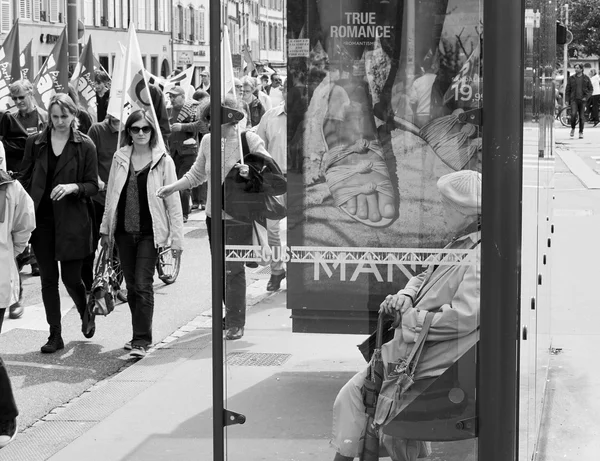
(498,370)
(217,249)
(72,32)
(565,57)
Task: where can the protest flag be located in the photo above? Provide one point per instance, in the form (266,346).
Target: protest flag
(53,77)
(9,65)
(250,67)
(227,80)
(133,88)
(26,62)
(184,80)
(116,91)
(83,79)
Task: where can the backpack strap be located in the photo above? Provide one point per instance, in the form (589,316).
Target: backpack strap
(3,188)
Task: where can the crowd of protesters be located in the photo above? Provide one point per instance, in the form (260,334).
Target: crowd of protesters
(66,185)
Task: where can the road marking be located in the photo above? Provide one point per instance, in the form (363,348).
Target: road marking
(46,366)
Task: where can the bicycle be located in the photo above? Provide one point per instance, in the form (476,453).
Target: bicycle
(564,115)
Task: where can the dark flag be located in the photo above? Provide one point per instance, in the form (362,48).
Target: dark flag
(54,75)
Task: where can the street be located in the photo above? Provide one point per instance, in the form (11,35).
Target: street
(43,382)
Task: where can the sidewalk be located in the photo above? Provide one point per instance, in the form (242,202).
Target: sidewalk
(160,408)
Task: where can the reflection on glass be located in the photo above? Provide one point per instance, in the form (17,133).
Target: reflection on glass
(448,290)
(383,144)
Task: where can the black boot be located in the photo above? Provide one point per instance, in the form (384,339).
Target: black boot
(55,341)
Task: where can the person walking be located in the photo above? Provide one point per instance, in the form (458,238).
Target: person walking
(579,89)
(235,232)
(60,172)
(272,129)
(183,141)
(102,88)
(17,221)
(595,101)
(205,81)
(105,136)
(255,107)
(139,222)
(33,119)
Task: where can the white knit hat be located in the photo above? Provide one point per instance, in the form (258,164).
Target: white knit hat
(462,191)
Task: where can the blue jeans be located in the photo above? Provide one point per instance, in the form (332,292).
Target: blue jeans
(138,261)
(577,107)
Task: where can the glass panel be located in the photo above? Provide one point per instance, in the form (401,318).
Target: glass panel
(538,170)
(381,155)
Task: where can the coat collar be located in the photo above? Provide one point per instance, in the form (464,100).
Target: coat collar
(124,155)
(74,136)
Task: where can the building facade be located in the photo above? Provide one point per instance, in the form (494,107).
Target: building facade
(190,35)
(106,21)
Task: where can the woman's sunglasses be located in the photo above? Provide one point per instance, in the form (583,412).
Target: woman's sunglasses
(18,98)
(144,129)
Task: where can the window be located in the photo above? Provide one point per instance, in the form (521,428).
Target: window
(109,11)
(6,17)
(154,65)
(103,58)
(192,19)
(97,13)
(88,12)
(141,16)
(152,15)
(24,9)
(201,26)
(118,12)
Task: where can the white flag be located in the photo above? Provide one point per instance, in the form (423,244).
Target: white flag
(134,88)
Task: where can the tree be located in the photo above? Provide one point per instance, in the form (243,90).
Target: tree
(584,23)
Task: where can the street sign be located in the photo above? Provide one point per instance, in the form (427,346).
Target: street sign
(298,48)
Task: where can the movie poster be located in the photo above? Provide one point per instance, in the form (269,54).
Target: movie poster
(383,100)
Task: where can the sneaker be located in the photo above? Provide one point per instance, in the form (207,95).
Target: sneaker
(572,133)
(127,346)
(15,311)
(138,352)
(8,431)
(580,135)
(185,219)
(195,206)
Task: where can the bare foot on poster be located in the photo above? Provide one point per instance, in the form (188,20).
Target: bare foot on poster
(354,165)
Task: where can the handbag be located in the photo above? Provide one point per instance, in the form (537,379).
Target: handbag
(254,198)
(103,294)
(398,378)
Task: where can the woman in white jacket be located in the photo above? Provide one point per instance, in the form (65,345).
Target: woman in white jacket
(17,221)
(138,221)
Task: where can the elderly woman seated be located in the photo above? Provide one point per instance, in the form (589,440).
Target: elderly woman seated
(452,292)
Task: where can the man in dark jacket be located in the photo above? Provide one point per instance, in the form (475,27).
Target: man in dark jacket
(13,137)
(579,90)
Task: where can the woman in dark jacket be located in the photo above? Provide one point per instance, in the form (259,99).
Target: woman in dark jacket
(60,172)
